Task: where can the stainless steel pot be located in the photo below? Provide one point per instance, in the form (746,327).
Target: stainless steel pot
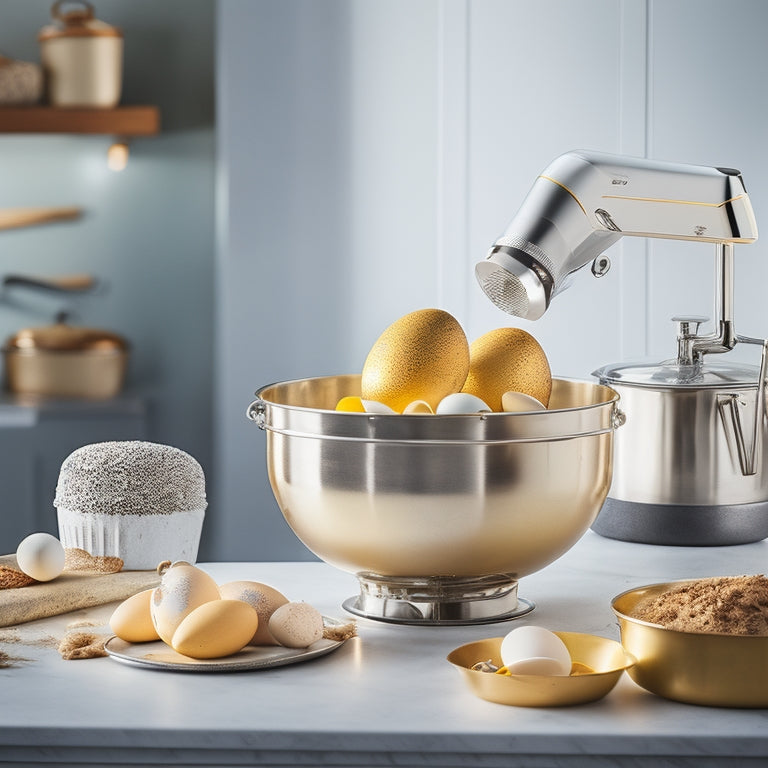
(438,516)
(691,466)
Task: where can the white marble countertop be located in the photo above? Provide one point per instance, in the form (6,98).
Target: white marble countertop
(387,697)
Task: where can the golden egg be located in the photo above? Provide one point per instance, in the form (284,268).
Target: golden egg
(422,356)
(216,628)
(265,600)
(132,620)
(507,359)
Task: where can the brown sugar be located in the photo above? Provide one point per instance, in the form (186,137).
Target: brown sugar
(731,605)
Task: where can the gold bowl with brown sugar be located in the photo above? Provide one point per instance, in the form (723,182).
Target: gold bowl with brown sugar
(705,668)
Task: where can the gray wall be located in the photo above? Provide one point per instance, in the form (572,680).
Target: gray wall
(148,231)
(370,152)
(365,155)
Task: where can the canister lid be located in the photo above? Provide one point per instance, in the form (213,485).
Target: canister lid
(79,22)
(706,373)
(61,337)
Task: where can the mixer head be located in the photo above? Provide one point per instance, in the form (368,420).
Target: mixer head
(585,201)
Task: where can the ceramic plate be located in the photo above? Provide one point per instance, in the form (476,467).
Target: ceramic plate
(158,655)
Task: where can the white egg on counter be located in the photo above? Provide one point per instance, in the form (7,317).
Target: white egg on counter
(516,402)
(183,588)
(532,650)
(374,406)
(41,556)
(296,625)
(461,402)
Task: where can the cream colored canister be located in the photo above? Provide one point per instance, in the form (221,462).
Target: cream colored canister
(82,58)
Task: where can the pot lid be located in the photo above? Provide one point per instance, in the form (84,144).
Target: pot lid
(79,22)
(61,337)
(702,374)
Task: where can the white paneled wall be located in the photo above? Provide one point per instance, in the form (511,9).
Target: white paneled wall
(370,152)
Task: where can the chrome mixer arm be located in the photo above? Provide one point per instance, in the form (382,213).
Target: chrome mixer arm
(584,202)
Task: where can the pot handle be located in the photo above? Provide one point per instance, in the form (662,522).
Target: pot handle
(256,411)
(729,411)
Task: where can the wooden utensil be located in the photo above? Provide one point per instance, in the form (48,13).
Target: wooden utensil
(12,218)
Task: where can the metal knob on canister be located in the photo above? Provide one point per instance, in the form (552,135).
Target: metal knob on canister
(82,58)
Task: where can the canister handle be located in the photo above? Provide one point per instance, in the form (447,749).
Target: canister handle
(748,456)
(85,15)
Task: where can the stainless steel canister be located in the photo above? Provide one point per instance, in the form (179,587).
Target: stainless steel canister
(690,465)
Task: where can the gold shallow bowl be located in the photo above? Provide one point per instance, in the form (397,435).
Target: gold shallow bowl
(709,669)
(606,657)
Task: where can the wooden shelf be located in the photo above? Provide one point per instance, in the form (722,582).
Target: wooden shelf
(122,121)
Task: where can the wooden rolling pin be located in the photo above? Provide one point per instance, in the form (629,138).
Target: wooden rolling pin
(71,591)
(11,218)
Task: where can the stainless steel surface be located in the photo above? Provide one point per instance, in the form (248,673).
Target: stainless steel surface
(584,202)
(438,601)
(695,440)
(681,446)
(455,497)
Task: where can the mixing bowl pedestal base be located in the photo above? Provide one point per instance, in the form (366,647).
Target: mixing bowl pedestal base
(438,600)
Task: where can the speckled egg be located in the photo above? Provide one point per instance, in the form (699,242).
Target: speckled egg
(265,600)
(422,356)
(504,360)
(182,589)
(296,625)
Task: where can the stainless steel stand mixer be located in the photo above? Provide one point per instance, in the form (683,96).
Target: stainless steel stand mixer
(690,465)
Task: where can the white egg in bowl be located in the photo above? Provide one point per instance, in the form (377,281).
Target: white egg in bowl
(460,403)
(519,402)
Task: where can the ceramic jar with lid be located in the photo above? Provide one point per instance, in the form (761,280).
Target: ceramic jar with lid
(82,58)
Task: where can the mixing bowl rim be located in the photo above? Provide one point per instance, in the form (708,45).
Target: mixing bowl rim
(613,400)
(653,625)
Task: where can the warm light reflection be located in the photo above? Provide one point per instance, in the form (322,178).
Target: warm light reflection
(117,156)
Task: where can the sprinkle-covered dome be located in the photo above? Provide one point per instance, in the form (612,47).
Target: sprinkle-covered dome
(130,478)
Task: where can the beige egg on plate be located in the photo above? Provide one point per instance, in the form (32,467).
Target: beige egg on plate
(265,600)
(504,360)
(296,625)
(215,629)
(183,588)
(132,619)
(423,355)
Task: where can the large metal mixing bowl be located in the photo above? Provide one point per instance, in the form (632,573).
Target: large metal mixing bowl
(438,516)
